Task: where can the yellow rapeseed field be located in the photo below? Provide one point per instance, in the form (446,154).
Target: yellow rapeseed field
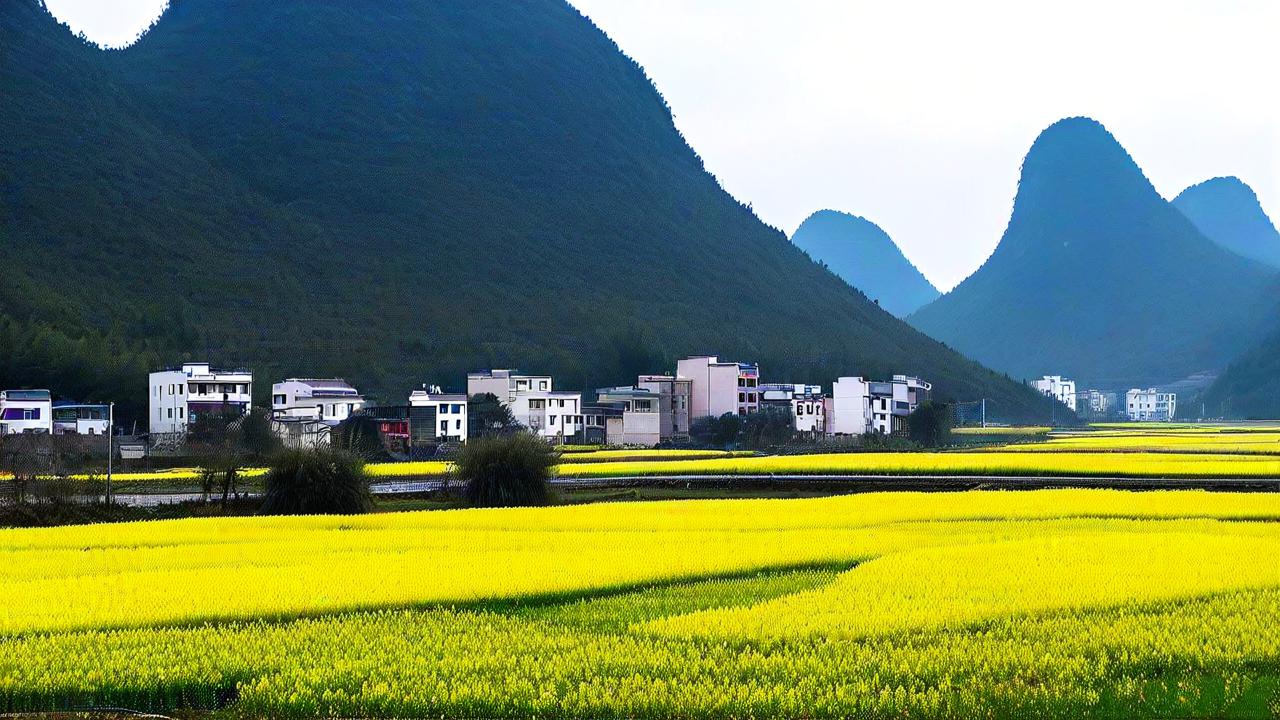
(1062,603)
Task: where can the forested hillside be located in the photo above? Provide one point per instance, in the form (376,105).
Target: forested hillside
(1098,278)
(395,193)
(864,255)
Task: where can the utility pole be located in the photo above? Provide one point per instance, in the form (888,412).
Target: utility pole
(111,428)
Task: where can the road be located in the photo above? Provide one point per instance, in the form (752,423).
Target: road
(835,483)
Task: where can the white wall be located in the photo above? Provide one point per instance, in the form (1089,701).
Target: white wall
(850,409)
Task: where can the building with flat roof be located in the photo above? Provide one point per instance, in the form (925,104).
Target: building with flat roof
(859,406)
(71,418)
(674,395)
(26,411)
(719,387)
(637,422)
(1150,405)
(533,401)
(179,396)
(806,403)
(1058,388)
(505,383)
(448,412)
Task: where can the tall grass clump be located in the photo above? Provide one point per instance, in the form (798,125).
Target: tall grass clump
(316,481)
(506,471)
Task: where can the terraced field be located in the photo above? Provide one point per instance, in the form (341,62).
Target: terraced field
(1062,603)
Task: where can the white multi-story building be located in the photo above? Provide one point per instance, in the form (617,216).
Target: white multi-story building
(450,421)
(504,384)
(328,400)
(26,411)
(806,403)
(81,419)
(532,400)
(1150,405)
(179,396)
(674,395)
(858,406)
(553,415)
(635,418)
(1094,403)
(720,387)
(1057,387)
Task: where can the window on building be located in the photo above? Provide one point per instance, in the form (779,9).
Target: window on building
(742,397)
(551,419)
(457,424)
(170,413)
(542,384)
(751,397)
(179,413)
(444,426)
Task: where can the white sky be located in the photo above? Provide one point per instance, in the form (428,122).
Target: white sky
(917,115)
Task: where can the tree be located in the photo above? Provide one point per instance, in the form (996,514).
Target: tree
(503,471)
(488,416)
(359,436)
(316,481)
(718,431)
(257,436)
(770,425)
(930,424)
(218,441)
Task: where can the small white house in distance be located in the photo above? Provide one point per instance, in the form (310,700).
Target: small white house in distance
(450,421)
(1057,387)
(179,396)
(806,403)
(26,411)
(327,400)
(80,419)
(1150,405)
(639,422)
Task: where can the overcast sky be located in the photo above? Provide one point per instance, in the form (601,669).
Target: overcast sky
(917,115)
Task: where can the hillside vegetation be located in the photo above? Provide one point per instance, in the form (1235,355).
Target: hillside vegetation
(395,195)
(864,256)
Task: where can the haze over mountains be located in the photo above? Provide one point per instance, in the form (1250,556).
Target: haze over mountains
(1227,211)
(1097,277)
(864,256)
(394,195)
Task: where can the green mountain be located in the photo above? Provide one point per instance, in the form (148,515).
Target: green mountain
(864,256)
(1099,278)
(394,194)
(1227,211)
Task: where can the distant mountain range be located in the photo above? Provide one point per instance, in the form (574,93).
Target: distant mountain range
(1227,211)
(1099,278)
(866,257)
(395,193)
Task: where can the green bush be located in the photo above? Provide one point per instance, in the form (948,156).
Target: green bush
(316,481)
(506,471)
(930,425)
